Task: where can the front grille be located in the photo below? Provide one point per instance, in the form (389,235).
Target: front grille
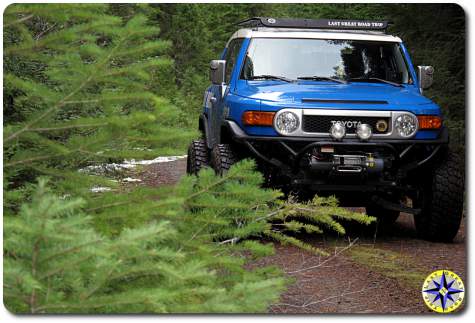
(311,123)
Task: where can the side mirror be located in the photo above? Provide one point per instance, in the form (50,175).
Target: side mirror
(426,76)
(216,71)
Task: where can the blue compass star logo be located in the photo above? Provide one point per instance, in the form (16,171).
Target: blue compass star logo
(443,290)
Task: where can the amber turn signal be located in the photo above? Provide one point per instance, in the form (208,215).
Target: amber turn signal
(258,118)
(429,122)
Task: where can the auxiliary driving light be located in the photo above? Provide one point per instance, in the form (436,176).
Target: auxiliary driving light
(363,131)
(381,125)
(337,131)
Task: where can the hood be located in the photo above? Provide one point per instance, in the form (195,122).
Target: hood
(323,93)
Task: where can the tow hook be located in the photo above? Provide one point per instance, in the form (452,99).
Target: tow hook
(388,205)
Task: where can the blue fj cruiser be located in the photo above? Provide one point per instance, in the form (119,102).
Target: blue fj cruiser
(333,106)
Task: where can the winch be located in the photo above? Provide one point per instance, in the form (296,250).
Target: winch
(348,163)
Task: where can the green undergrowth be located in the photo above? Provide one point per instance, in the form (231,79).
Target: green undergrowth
(167,250)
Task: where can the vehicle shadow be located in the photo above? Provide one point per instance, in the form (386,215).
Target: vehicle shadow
(402,230)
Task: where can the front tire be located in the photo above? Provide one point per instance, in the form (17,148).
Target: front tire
(222,158)
(197,157)
(442,202)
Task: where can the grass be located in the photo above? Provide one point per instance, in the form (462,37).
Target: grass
(390,264)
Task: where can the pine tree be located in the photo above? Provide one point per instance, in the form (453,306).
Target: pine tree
(78,84)
(55,263)
(79,89)
(189,256)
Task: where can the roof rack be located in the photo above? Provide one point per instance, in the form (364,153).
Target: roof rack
(315,23)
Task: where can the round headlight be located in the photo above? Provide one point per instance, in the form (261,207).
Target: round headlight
(363,131)
(337,131)
(406,125)
(287,122)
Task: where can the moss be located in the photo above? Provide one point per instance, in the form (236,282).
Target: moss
(390,264)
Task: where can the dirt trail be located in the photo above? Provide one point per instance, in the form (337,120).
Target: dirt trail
(378,274)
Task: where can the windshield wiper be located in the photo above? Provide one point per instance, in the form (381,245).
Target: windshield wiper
(270,77)
(322,78)
(375,79)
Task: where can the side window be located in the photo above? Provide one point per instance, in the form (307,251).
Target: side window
(231,57)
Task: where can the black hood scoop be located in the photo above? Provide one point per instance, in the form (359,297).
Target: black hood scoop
(310,100)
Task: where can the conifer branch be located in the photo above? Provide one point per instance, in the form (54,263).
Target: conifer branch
(218,182)
(91,125)
(35,256)
(97,287)
(36,250)
(68,266)
(63,101)
(37,158)
(69,250)
(44,32)
(46,113)
(10,293)
(94,305)
(193,236)
(105,206)
(18,21)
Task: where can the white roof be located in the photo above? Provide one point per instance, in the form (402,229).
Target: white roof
(314,34)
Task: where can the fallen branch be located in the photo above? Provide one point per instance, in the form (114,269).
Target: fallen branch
(351,244)
(231,241)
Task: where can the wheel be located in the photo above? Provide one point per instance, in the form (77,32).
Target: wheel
(222,158)
(441,201)
(386,218)
(197,157)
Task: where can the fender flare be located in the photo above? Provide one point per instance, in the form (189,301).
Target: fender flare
(203,127)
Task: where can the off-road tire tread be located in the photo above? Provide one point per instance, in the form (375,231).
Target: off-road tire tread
(222,158)
(442,214)
(198,157)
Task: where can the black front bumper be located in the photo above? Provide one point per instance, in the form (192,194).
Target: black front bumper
(407,155)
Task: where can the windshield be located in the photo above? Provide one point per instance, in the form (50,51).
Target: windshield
(351,60)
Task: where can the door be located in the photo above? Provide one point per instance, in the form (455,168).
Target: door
(219,92)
